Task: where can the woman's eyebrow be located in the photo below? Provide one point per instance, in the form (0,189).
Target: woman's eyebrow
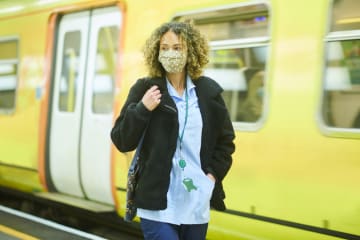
(175,44)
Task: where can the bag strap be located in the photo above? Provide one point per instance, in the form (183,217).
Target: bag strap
(137,153)
(138,148)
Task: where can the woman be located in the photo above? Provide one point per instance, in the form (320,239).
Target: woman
(188,139)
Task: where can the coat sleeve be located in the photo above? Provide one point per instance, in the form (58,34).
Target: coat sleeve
(224,147)
(129,126)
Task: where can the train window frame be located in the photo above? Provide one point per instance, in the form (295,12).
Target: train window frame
(334,37)
(64,104)
(211,16)
(97,108)
(14,61)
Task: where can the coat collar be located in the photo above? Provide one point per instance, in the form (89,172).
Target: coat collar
(205,87)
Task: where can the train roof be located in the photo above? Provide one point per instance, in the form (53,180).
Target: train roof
(19,7)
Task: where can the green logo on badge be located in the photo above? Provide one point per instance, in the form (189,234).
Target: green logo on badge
(182,164)
(188,184)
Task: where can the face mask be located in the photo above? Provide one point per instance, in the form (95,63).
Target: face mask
(172,61)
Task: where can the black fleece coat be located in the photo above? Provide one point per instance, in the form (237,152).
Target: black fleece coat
(159,144)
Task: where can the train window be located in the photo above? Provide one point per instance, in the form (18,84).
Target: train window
(341,103)
(345,15)
(69,71)
(8,74)
(245,21)
(104,80)
(239,41)
(341,97)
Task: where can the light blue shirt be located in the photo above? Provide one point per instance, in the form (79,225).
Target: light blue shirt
(189,193)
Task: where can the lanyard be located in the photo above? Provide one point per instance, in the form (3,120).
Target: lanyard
(182,162)
(187,181)
(186,118)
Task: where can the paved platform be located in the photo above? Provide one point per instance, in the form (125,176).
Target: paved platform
(15,225)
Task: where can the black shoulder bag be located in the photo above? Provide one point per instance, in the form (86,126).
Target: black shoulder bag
(133,175)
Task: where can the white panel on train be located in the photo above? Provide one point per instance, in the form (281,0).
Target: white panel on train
(67,103)
(98,104)
(82,106)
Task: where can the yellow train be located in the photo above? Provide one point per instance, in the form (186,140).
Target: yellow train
(291,76)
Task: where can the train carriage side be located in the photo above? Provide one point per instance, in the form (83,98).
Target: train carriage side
(296,159)
(290,75)
(287,181)
(22,51)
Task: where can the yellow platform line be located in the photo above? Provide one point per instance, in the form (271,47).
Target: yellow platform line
(20,235)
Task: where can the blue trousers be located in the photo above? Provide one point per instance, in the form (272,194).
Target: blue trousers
(153,230)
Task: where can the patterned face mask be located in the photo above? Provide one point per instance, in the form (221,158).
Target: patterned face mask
(172,61)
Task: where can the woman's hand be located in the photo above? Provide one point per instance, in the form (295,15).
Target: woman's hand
(212,178)
(151,98)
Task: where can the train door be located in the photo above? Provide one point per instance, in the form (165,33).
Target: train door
(81,115)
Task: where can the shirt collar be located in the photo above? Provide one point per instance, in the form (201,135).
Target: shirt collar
(173,93)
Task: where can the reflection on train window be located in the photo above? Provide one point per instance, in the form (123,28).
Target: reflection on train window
(345,15)
(8,74)
(246,21)
(104,79)
(239,39)
(240,72)
(341,103)
(69,71)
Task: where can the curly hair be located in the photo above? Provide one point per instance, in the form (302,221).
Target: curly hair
(197,49)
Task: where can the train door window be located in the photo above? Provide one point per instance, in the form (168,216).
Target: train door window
(239,39)
(341,96)
(69,71)
(103,84)
(8,74)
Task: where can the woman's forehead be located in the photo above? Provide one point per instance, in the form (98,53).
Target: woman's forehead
(171,38)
